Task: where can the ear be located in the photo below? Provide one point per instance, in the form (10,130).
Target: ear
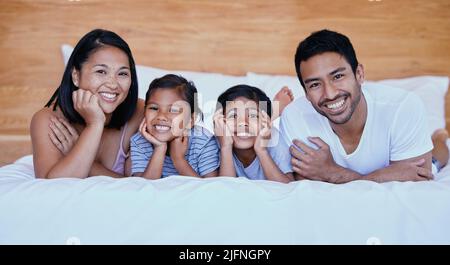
(75,77)
(360,74)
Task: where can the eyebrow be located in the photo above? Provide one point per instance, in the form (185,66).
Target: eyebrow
(169,105)
(235,109)
(104,65)
(340,69)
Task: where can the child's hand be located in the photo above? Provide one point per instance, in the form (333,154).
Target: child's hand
(263,138)
(87,105)
(62,134)
(178,148)
(221,130)
(155,142)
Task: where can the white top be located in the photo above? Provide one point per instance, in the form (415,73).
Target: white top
(395,129)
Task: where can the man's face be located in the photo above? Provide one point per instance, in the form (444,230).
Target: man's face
(331,86)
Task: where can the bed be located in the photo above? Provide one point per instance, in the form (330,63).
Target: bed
(411,51)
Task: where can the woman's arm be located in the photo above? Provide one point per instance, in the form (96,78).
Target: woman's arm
(49,162)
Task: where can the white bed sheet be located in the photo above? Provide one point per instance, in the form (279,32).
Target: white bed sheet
(223,210)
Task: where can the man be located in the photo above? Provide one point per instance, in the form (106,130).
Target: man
(343,131)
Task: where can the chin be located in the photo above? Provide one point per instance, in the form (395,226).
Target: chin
(243,144)
(163,137)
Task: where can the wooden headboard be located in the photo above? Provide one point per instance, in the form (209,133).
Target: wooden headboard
(392,39)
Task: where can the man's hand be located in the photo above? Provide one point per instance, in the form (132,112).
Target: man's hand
(313,164)
(403,171)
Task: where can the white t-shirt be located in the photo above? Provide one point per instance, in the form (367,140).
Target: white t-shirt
(395,129)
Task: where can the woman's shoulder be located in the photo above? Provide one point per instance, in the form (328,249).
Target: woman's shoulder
(44,115)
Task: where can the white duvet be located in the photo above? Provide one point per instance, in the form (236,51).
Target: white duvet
(223,210)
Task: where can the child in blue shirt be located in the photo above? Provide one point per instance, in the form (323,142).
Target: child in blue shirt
(243,127)
(168,143)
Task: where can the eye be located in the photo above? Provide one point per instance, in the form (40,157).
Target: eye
(338,76)
(314,85)
(124,74)
(175,109)
(153,107)
(232,114)
(100,71)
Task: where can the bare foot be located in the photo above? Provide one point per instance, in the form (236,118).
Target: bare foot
(284,97)
(440,149)
(440,135)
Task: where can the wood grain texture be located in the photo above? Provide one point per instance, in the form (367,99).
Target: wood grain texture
(392,39)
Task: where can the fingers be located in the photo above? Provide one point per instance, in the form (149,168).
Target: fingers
(61,129)
(308,150)
(424,173)
(319,142)
(419,163)
(296,154)
(143,127)
(69,127)
(57,132)
(56,142)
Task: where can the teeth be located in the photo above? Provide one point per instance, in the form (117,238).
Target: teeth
(162,128)
(336,105)
(108,95)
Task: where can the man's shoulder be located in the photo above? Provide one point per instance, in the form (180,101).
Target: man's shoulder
(299,105)
(384,94)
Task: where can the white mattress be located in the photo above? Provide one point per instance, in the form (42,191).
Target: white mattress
(223,210)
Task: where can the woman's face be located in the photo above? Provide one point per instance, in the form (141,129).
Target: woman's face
(167,115)
(106,73)
(242,117)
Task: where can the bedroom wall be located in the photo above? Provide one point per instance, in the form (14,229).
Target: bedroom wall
(392,38)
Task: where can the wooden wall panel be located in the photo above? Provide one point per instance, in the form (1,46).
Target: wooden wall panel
(392,38)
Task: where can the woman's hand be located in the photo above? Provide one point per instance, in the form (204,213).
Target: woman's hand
(63,135)
(87,105)
(152,139)
(263,138)
(222,131)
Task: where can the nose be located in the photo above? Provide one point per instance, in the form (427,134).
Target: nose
(161,115)
(242,121)
(330,91)
(112,82)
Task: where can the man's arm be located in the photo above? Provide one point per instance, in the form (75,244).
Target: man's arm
(319,165)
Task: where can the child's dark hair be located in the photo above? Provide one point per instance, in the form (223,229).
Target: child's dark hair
(324,41)
(185,88)
(85,47)
(246,91)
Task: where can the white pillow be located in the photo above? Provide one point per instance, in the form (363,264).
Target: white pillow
(209,85)
(431,89)
(271,84)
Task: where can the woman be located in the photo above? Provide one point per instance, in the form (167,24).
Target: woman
(84,129)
